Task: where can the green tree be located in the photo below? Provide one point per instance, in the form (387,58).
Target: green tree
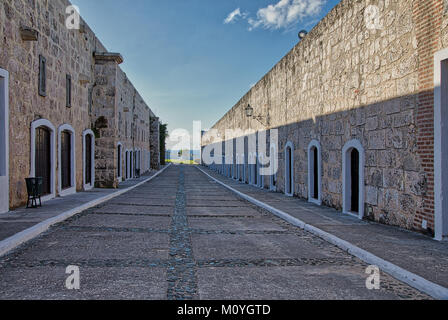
(163,136)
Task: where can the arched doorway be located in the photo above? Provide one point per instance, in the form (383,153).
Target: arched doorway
(131,164)
(260,173)
(289,169)
(353,178)
(314,172)
(255,166)
(243,168)
(119,162)
(139,160)
(89,159)
(67,163)
(4,141)
(242,159)
(66,179)
(127,164)
(249,169)
(354,174)
(43,156)
(274,168)
(223,164)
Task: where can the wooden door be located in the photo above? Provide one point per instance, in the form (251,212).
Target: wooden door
(119,161)
(43,158)
(316,173)
(354,181)
(66,160)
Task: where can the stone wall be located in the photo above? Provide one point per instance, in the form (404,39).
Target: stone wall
(130,128)
(104,101)
(345,81)
(68,52)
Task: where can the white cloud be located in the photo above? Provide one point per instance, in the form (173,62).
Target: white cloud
(285,13)
(233,16)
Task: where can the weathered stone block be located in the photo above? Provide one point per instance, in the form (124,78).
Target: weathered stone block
(375,177)
(415,183)
(372,123)
(377,139)
(394,139)
(372,195)
(393,178)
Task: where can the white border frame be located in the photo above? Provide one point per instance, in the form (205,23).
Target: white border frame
(289,145)
(34,125)
(87,187)
(311,164)
(72,188)
(440,145)
(4,145)
(346,180)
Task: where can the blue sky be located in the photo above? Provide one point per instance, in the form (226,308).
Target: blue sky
(194,59)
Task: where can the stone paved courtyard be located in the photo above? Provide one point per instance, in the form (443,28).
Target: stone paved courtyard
(183,236)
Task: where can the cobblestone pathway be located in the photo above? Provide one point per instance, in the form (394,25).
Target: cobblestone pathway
(182,236)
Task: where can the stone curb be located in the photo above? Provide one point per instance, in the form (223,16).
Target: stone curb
(434,290)
(26,235)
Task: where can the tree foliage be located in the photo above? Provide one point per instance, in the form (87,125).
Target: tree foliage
(163,136)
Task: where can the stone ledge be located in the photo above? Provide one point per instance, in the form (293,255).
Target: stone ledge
(29,34)
(108,56)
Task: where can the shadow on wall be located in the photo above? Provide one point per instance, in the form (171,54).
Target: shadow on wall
(395,157)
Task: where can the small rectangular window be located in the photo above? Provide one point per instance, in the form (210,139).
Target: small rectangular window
(42,76)
(69,91)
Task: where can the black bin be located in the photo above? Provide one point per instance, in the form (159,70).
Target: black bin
(34,187)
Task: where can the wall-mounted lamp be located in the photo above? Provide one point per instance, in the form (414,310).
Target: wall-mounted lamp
(302,34)
(250,114)
(249,111)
